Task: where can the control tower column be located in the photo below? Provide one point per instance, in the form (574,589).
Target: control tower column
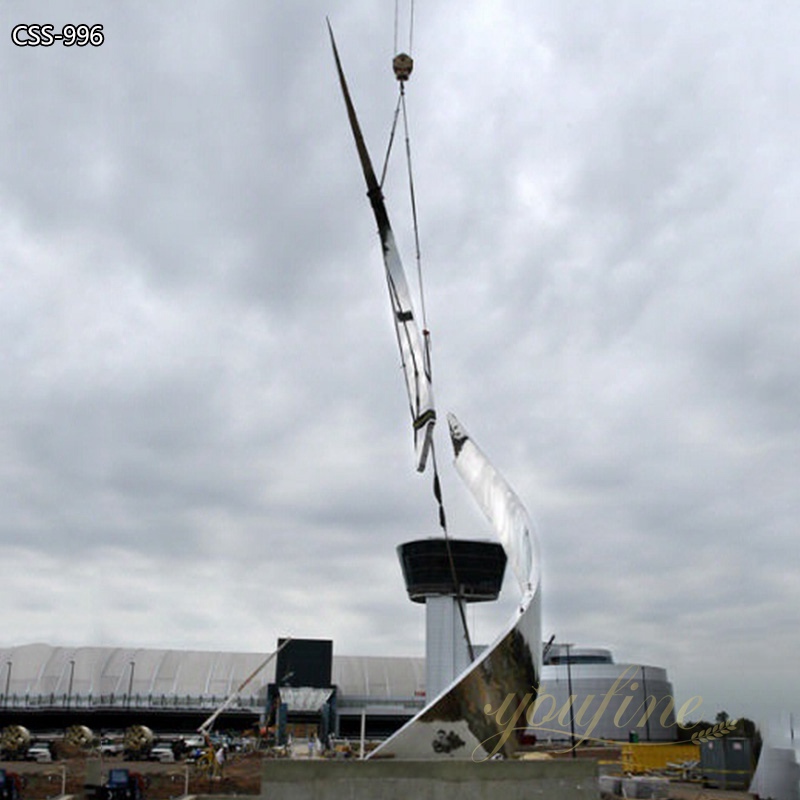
(446,649)
(479,568)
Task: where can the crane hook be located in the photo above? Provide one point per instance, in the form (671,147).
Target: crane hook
(402,65)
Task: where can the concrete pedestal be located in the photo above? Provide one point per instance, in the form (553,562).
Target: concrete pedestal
(566,779)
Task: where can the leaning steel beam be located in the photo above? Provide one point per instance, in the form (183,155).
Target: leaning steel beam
(412,350)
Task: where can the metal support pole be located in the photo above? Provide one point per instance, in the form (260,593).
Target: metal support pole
(130,683)
(69,688)
(8,684)
(571,704)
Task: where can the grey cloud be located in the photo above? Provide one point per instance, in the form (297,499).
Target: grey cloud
(200,378)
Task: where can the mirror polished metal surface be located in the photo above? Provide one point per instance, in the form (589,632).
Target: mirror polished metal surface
(480,714)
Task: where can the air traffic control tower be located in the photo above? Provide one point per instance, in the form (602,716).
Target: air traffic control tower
(429,572)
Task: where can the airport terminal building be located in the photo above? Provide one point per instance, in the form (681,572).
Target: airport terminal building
(47,688)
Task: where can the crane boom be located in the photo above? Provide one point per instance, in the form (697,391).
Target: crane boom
(205,728)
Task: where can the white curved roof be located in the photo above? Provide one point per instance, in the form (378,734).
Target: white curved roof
(41,670)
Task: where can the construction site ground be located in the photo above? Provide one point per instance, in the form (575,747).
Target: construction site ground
(241,776)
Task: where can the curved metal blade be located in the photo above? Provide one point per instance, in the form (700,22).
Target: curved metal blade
(480,713)
(499,503)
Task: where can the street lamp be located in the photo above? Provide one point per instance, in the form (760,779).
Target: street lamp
(130,683)
(571,704)
(71,676)
(8,684)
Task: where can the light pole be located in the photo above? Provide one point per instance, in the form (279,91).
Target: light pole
(69,687)
(8,684)
(571,704)
(130,683)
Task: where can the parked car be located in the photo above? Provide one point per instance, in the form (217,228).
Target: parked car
(110,748)
(39,753)
(162,752)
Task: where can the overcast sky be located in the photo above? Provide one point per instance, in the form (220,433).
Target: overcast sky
(204,436)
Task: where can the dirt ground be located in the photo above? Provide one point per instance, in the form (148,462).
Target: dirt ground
(241,775)
(691,791)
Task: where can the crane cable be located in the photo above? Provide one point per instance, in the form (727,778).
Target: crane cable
(401,105)
(410,27)
(437,487)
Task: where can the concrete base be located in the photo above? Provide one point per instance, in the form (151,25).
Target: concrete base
(430,780)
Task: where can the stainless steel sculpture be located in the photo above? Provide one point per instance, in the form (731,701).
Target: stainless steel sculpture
(413,353)
(480,713)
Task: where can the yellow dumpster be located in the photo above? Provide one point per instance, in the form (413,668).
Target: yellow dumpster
(644,757)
